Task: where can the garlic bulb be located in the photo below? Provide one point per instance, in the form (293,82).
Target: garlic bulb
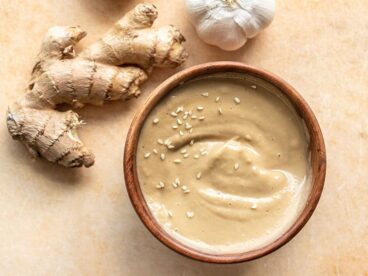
(228,24)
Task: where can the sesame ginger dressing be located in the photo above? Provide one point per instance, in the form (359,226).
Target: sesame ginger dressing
(223,163)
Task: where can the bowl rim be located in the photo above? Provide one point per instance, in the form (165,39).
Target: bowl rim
(317,149)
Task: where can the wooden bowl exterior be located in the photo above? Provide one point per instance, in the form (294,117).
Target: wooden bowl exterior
(317,149)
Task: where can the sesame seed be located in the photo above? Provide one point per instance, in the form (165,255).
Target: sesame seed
(248,137)
(236,166)
(200,108)
(171,147)
(148,154)
(205,94)
(191,143)
(196,156)
(177,161)
(190,112)
(160,185)
(254,206)
(155,151)
(174,114)
(194,117)
(176,183)
(186,155)
(237,100)
(183,151)
(217,99)
(185,189)
(179,109)
(204,153)
(188,126)
(174,126)
(179,121)
(181,133)
(190,130)
(167,142)
(201,118)
(185,116)
(160,141)
(162,156)
(155,120)
(220,111)
(190,214)
(170,214)
(253,86)
(199,175)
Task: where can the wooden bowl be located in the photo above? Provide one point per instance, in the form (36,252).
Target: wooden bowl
(317,150)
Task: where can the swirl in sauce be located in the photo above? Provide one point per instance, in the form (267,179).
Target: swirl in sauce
(223,163)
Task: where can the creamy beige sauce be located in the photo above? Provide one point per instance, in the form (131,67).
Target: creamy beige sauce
(223,163)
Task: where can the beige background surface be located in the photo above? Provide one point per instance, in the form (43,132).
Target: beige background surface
(55,221)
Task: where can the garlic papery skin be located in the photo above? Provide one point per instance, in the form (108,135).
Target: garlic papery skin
(228,24)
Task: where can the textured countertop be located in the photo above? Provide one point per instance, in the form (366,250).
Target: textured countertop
(55,221)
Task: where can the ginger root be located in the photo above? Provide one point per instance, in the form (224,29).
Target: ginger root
(92,77)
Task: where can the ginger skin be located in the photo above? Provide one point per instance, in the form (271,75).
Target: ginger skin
(94,76)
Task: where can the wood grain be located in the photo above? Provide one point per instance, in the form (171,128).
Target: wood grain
(317,149)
